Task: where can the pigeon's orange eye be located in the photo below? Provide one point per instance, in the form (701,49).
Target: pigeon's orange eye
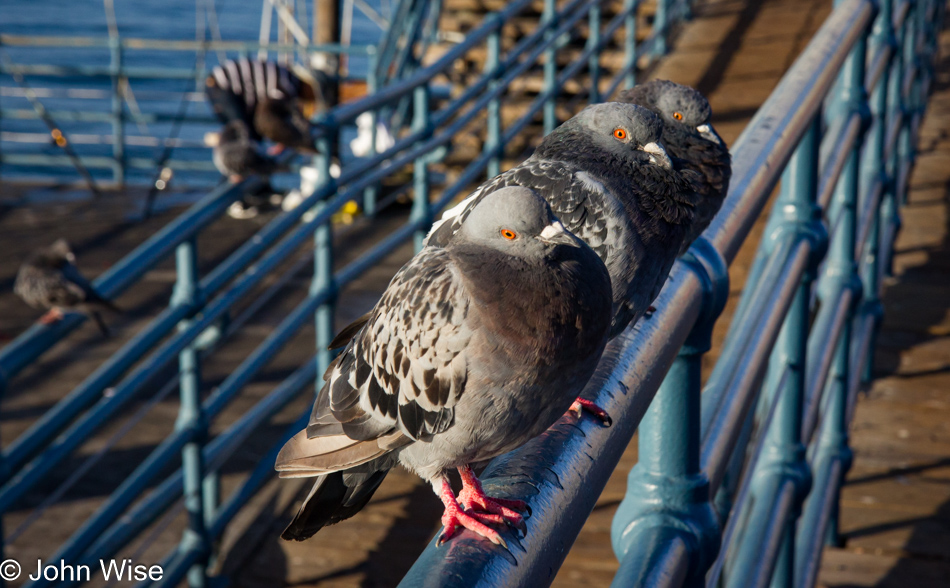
(508,234)
(678,115)
(620,134)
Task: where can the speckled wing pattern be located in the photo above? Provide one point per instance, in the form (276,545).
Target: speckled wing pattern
(575,198)
(406,368)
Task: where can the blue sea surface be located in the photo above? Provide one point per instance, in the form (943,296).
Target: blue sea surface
(238,20)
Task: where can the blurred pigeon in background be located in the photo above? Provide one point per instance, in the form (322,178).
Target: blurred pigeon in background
(50,280)
(612,184)
(477,345)
(237,154)
(691,141)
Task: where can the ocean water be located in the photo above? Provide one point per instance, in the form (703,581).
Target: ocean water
(237,20)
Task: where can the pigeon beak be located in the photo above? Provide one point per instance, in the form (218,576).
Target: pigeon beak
(658,154)
(556,234)
(709,134)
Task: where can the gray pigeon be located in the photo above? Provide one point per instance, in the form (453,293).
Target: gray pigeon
(475,347)
(691,141)
(237,154)
(50,280)
(613,185)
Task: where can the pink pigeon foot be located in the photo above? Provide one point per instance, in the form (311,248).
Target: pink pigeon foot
(487,509)
(275,149)
(54,315)
(582,404)
(454,517)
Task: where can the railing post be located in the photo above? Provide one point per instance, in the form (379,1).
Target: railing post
(661,27)
(667,500)
(783,455)
(118,111)
(630,42)
(421,205)
(549,21)
(841,273)
(882,38)
(323,278)
(908,103)
(371,193)
(493,127)
(593,40)
(191,416)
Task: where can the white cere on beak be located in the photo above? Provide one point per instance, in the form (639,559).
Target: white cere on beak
(557,234)
(212,139)
(708,132)
(552,230)
(658,154)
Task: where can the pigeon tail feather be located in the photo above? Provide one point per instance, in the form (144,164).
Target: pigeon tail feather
(330,501)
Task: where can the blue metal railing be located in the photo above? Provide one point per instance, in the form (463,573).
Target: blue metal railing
(736,485)
(197,318)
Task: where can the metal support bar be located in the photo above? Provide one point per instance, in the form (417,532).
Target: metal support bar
(493,129)
(118,111)
(191,417)
(630,42)
(421,206)
(667,493)
(593,41)
(661,27)
(549,21)
(323,280)
(841,269)
(783,460)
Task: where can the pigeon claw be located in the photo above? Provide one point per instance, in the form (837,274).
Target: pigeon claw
(54,315)
(474,500)
(454,517)
(582,404)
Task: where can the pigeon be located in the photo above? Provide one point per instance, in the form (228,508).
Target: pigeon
(691,142)
(475,347)
(612,184)
(237,153)
(50,280)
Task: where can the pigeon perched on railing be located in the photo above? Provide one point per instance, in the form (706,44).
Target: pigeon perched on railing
(691,141)
(610,181)
(477,346)
(237,154)
(50,280)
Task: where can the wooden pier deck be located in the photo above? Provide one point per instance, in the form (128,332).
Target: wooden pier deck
(895,507)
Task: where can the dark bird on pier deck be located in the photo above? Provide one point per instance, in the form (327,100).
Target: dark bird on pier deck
(477,346)
(237,154)
(49,280)
(691,141)
(608,178)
